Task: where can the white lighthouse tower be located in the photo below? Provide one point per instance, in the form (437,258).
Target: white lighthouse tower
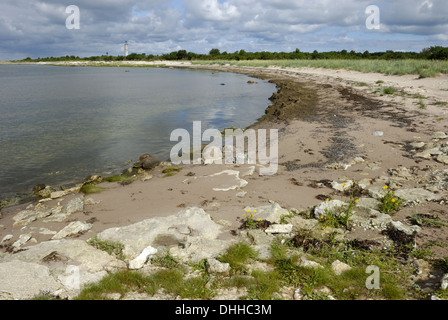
(126,49)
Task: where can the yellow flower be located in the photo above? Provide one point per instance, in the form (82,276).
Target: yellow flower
(255,211)
(393,200)
(385,187)
(343,184)
(328,199)
(322,217)
(326,227)
(259,219)
(244,214)
(356,201)
(248,210)
(251,214)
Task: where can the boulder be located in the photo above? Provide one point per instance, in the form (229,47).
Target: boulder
(75,205)
(342,186)
(42,190)
(439,135)
(328,206)
(339,267)
(442,159)
(416,194)
(272,213)
(192,232)
(72,229)
(215,266)
(279,228)
(140,261)
(21,280)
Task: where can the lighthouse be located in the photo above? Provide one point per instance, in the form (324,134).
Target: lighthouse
(126,49)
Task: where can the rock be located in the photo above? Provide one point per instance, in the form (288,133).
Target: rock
(215,266)
(416,194)
(140,261)
(75,205)
(149,163)
(408,230)
(376,192)
(444,283)
(42,190)
(279,228)
(342,186)
(297,294)
(328,206)
(261,242)
(400,172)
(250,81)
(439,135)
(192,232)
(434,151)
(339,267)
(442,159)
(272,213)
(402,234)
(417,145)
(72,229)
(71,260)
(7,238)
(302,223)
(57,194)
(378,133)
(93,179)
(423,155)
(23,238)
(21,280)
(309,264)
(259,266)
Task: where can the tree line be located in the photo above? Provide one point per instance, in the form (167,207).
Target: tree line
(431,53)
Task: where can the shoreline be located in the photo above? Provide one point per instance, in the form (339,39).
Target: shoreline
(334,127)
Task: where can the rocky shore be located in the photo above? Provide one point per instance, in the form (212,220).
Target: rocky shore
(362,181)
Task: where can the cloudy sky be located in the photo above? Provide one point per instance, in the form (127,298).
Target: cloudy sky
(37,28)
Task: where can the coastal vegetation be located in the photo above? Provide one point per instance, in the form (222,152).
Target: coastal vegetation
(430,62)
(432,53)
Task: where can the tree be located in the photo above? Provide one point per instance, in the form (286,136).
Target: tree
(214,52)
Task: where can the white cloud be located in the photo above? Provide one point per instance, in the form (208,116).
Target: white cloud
(37,27)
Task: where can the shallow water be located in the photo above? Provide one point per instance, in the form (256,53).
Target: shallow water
(60,124)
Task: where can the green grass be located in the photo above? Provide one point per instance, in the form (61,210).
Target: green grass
(388,90)
(394,276)
(425,220)
(111,247)
(166,260)
(171,171)
(119,178)
(423,68)
(237,256)
(421,104)
(91,188)
(124,281)
(441,103)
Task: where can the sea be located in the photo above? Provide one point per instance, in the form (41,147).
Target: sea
(59,124)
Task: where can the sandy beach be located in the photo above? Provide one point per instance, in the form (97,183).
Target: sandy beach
(334,126)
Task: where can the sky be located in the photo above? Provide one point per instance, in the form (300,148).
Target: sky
(43,28)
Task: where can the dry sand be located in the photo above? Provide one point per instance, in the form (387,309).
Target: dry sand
(323,116)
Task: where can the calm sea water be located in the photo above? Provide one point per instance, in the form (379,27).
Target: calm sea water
(60,124)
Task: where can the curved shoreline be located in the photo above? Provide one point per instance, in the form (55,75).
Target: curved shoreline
(25,197)
(333,130)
